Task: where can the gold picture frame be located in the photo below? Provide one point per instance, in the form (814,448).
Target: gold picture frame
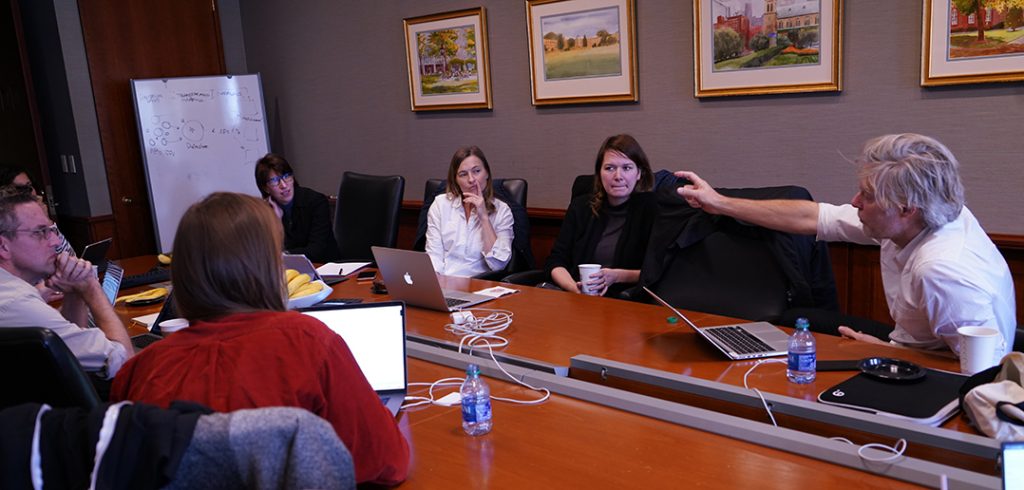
(446,55)
(954,52)
(582,51)
(781,49)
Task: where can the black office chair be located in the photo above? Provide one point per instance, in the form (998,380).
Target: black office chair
(367,213)
(512,192)
(39,368)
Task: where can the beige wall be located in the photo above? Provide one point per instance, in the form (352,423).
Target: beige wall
(336,89)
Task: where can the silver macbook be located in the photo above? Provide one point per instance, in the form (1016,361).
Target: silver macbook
(740,341)
(410,277)
(375,334)
(1013,465)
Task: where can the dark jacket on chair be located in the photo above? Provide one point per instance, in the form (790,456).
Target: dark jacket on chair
(804,261)
(307,227)
(581,231)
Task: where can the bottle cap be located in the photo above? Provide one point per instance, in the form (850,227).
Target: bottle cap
(672,319)
(473,370)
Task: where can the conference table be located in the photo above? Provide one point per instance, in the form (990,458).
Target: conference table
(572,442)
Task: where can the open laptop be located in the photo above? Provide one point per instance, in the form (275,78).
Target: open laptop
(96,253)
(410,277)
(167,311)
(1013,465)
(375,334)
(740,341)
(111,285)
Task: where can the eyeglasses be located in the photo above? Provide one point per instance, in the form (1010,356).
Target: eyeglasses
(41,233)
(286,178)
(24,188)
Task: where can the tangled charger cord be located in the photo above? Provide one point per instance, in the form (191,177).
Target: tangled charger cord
(896,450)
(474,331)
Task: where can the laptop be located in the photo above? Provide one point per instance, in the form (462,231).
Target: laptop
(111,285)
(167,311)
(96,253)
(375,334)
(740,341)
(410,277)
(1013,465)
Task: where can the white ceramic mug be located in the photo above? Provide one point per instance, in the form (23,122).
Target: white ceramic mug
(587,270)
(172,325)
(980,348)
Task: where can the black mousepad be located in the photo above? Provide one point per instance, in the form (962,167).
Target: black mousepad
(927,399)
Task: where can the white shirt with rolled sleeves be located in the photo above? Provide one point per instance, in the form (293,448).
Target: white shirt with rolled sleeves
(456,245)
(22,306)
(944,278)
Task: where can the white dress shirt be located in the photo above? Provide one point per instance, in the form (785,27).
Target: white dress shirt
(22,306)
(456,245)
(944,278)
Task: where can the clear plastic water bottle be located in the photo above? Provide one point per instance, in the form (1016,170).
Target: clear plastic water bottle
(803,354)
(476,403)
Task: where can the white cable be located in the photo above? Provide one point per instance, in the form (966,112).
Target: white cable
(896,450)
(475,330)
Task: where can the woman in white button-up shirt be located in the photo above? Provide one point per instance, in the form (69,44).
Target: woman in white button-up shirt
(469,232)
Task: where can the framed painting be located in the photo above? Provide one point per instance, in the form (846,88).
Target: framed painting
(749,47)
(972,41)
(447,59)
(582,51)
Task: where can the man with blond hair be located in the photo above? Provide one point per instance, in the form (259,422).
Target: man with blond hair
(940,270)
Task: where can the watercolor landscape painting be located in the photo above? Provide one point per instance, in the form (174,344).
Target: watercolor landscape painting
(582,44)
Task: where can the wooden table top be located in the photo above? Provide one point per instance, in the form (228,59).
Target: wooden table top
(568,443)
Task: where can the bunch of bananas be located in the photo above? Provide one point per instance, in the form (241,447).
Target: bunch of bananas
(164,259)
(299,285)
(149,294)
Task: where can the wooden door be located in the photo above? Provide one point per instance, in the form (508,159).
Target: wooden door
(126,39)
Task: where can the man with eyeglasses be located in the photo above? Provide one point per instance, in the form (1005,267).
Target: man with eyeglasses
(27,256)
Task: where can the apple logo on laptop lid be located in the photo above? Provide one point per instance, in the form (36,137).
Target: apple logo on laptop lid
(408,278)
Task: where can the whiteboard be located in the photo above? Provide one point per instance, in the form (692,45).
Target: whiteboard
(198,135)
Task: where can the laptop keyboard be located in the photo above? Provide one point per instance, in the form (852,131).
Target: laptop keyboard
(738,339)
(453,302)
(144,340)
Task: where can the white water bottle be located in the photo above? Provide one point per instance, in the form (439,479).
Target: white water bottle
(476,403)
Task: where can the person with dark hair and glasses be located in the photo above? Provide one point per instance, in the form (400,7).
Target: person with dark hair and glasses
(305,213)
(610,225)
(28,256)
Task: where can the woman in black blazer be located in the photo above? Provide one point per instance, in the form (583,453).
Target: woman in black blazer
(304,213)
(610,225)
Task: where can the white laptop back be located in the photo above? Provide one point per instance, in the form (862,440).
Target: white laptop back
(375,334)
(410,277)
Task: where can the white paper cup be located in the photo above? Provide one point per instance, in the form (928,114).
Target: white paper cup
(172,325)
(587,270)
(980,348)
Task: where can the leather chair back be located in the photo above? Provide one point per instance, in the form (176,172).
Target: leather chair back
(367,213)
(39,368)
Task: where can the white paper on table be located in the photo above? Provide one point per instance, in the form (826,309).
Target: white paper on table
(340,268)
(496,291)
(147,320)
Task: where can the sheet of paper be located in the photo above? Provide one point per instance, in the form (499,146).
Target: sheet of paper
(147,320)
(496,291)
(340,268)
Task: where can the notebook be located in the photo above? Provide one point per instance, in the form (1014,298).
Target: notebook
(375,334)
(739,341)
(410,277)
(930,400)
(1013,465)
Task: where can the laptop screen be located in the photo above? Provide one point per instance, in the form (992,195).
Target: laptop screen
(1013,464)
(375,333)
(112,282)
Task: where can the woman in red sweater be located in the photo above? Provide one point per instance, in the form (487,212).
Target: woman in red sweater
(243,350)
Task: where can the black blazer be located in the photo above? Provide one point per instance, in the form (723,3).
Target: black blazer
(581,231)
(307,229)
